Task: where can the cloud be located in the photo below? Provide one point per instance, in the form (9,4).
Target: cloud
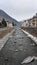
(19,8)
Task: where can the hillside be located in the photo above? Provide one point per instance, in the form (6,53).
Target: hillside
(6,16)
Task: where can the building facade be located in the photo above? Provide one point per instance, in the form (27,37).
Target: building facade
(25,23)
(9,24)
(32,22)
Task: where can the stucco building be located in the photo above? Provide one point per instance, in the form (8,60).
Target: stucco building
(32,22)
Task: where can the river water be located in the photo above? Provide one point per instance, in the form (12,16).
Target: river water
(17,48)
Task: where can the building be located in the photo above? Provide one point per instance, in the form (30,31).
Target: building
(33,21)
(1,19)
(25,23)
(1,22)
(9,24)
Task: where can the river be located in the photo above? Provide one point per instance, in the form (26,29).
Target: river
(17,48)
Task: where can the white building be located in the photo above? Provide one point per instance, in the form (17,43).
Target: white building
(25,23)
(9,24)
(33,21)
(1,19)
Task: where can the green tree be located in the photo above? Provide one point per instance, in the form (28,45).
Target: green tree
(4,23)
(13,23)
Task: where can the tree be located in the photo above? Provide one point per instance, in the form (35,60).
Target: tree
(0,25)
(13,23)
(4,23)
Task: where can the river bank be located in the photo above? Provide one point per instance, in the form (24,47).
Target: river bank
(5,32)
(4,36)
(31,33)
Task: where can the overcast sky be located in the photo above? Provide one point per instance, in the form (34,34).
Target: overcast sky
(19,9)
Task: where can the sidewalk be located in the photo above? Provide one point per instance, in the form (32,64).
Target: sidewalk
(5,37)
(31,36)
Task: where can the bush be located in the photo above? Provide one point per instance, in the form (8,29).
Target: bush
(4,23)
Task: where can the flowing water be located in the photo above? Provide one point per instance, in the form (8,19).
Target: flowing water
(17,48)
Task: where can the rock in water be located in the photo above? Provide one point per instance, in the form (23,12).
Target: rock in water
(16,50)
(35,58)
(28,60)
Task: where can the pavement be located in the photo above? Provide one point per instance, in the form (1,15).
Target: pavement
(17,48)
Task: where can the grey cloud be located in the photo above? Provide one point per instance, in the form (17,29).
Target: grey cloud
(19,9)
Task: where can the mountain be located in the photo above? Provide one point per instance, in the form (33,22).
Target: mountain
(6,16)
(20,22)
